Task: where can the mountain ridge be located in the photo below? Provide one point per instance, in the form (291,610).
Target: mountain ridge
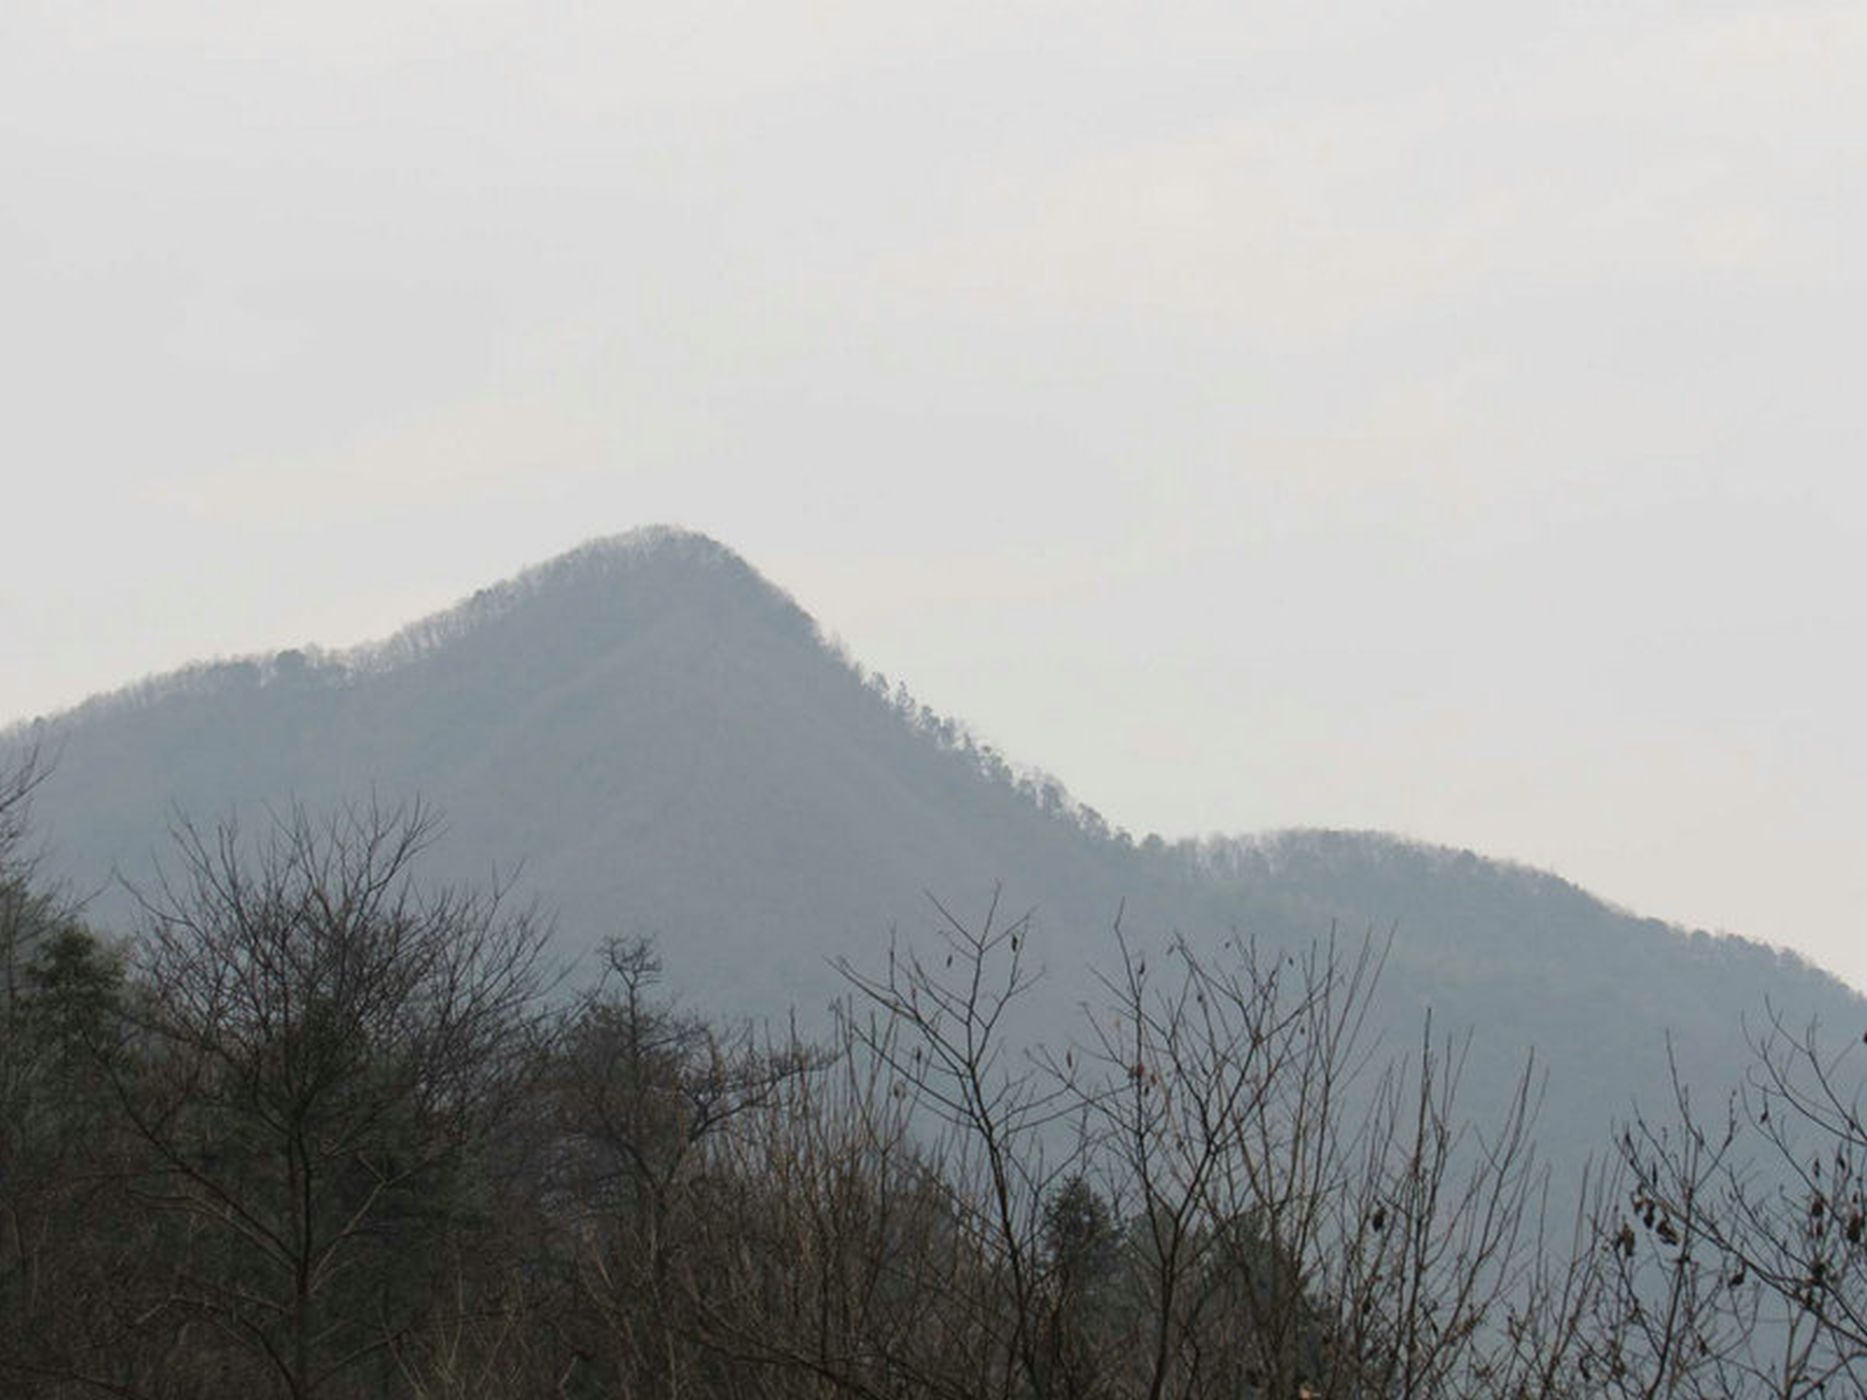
(602,558)
(667,743)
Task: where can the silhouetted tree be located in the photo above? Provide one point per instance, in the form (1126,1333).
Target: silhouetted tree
(321,1048)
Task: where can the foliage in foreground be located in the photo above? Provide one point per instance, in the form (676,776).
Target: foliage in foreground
(319,1131)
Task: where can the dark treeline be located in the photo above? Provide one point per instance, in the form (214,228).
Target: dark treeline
(313,1128)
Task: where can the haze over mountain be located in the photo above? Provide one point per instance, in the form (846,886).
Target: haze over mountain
(665,743)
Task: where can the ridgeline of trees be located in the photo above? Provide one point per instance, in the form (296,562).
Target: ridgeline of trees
(320,1129)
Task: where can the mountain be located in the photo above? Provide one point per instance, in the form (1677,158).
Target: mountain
(662,742)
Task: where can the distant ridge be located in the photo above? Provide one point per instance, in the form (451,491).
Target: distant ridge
(664,742)
(606,559)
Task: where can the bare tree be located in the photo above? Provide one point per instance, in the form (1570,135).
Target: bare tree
(1742,1242)
(643,1096)
(1312,1212)
(850,1247)
(1226,1189)
(320,1047)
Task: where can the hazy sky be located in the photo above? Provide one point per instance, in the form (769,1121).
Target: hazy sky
(1444,417)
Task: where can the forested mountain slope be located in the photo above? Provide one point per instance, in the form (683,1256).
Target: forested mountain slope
(662,742)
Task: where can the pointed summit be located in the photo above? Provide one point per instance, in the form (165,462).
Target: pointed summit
(601,593)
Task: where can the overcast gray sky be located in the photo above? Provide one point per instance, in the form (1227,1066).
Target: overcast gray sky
(1443,417)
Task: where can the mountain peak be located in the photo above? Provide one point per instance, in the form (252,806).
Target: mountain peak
(663,543)
(669,552)
(588,598)
(608,584)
